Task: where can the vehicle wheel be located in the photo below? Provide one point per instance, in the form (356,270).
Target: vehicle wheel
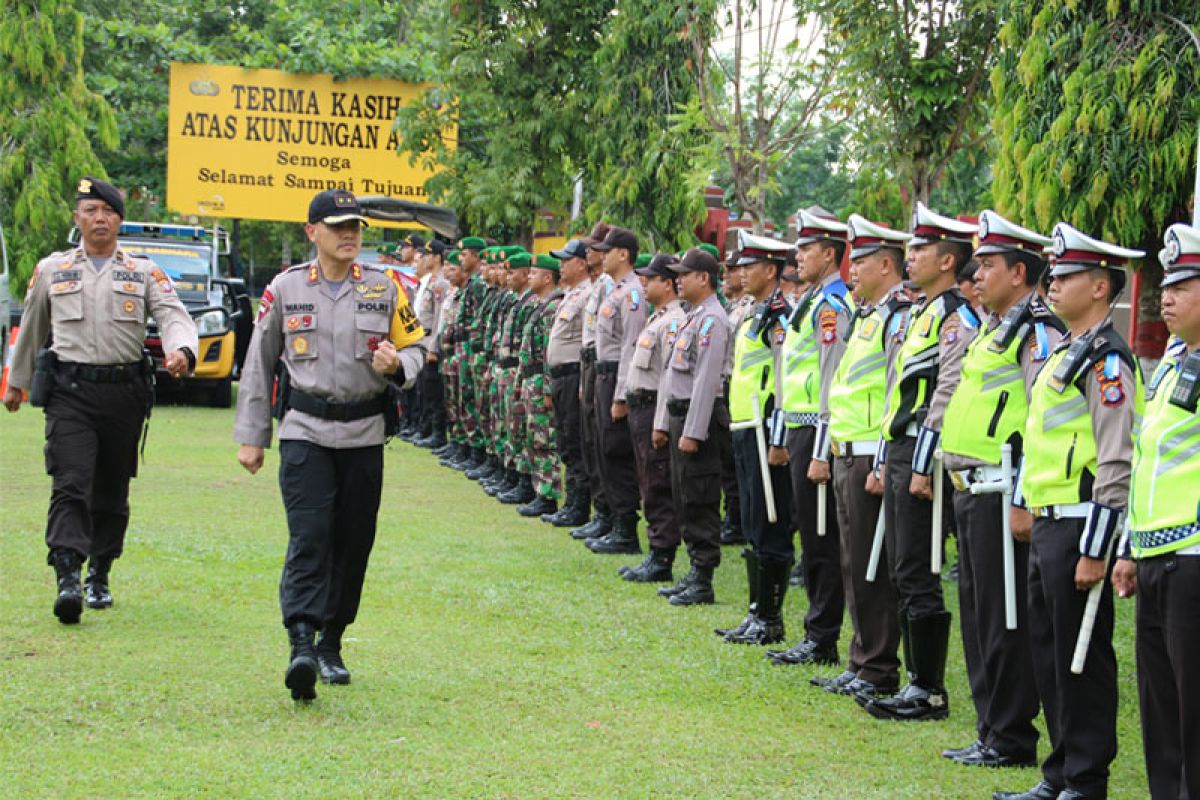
(222,394)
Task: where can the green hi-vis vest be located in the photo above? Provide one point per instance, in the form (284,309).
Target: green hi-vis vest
(989,404)
(1164,498)
(801,355)
(1059,446)
(918,360)
(856,400)
(753,370)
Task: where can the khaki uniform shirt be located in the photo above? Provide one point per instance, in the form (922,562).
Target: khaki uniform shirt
(696,368)
(326,339)
(566,333)
(621,318)
(653,345)
(601,286)
(429,312)
(98,316)
(738,310)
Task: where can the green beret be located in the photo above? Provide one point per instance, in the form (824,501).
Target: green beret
(510,250)
(546,262)
(472,243)
(642,261)
(455,257)
(519,260)
(710,249)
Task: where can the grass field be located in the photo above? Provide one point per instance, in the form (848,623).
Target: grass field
(493,657)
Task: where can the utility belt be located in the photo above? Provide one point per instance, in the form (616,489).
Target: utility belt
(640,398)
(334,410)
(532,368)
(507,363)
(801,419)
(587,355)
(563,370)
(854,449)
(964,479)
(678,408)
(1168,536)
(606,367)
(102,373)
(1072,511)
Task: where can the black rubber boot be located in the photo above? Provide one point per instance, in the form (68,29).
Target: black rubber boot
(329,656)
(68,605)
(699,590)
(731,531)
(600,525)
(537,507)
(301,677)
(521,493)
(752,587)
(925,696)
(655,569)
(621,540)
(767,625)
(96,591)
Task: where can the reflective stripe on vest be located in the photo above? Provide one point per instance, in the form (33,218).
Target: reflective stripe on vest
(916,364)
(753,371)
(801,356)
(989,405)
(860,385)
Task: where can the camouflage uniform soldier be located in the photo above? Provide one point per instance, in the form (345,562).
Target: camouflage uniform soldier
(512,402)
(471,455)
(505,478)
(483,373)
(444,345)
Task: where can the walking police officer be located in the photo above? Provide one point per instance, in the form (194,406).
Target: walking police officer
(341,332)
(80,353)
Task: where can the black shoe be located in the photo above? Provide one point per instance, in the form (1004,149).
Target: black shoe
(679,586)
(699,590)
(1042,791)
(445,449)
(454,454)
(806,652)
(863,691)
(760,631)
(925,696)
(484,470)
(843,678)
(520,494)
(766,626)
(621,540)
(573,513)
(985,756)
(96,592)
(68,604)
(329,658)
(731,532)
(537,507)
(955,753)
(599,526)
(434,441)
(655,569)
(910,704)
(741,627)
(301,677)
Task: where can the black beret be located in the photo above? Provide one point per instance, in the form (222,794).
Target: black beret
(95,189)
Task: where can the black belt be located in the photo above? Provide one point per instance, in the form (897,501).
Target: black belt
(563,370)
(641,397)
(107,373)
(331,409)
(507,363)
(678,408)
(587,355)
(606,367)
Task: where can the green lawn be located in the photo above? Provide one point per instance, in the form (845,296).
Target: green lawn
(493,657)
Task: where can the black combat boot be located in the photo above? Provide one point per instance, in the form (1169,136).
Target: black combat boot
(484,470)
(924,698)
(573,513)
(537,507)
(599,526)
(433,441)
(465,460)
(329,656)
(699,590)
(621,540)
(68,605)
(455,453)
(731,531)
(445,449)
(504,482)
(767,625)
(96,591)
(679,586)
(478,457)
(655,569)
(521,493)
(301,675)
(752,587)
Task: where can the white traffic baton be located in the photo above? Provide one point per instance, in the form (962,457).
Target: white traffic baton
(935,530)
(822,499)
(1005,489)
(761,441)
(877,544)
(1088,623)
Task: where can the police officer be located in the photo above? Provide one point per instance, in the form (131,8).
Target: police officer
(739,304)
(647,362)
(86,312)
(342,332)
(1075,480)
(690,418)
(1165,536)
(988,410)
(431,298)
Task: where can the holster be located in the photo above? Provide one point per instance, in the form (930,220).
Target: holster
(283,389)
(42,386)
(149,379)
(391,410)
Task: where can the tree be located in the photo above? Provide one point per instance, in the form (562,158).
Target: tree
(49,123)
(915,79)
(1096,113)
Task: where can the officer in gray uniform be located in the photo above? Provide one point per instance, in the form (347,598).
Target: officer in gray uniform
(80,353)
(342,332)
(430,303)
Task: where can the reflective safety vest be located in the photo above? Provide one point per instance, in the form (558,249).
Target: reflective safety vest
(801,353)
(1059,446)
(753,370)
(919,357)
(859,391)
(989,406)
(1164,497)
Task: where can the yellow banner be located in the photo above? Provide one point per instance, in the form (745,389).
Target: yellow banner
(259,143)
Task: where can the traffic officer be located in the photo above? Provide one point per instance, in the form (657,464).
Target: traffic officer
(816,337)
(647,362)
(987,411)
(79,354)
(856,408)
(430,300)
(739,304)
(1075,481)
(562,362)
(934,343)
(690,418)
(619,320)
(1165,536)
(340,331)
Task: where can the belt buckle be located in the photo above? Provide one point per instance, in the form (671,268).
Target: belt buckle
(956,478)
(836,447)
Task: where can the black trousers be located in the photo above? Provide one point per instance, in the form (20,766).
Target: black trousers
(332,501)
(999,663)
(92,432)
(589,439)
(654,480)
(771,541)
(909,520)
(1168,673)
(433,399)
(1081,710)
(565,391)
(615,449)
(872,605)
(822,554)
(696,489)
(729,481)
(412,406)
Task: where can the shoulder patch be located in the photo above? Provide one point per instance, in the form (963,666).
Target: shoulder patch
(1111,393)
(264,305)
(635,299)
(827,324)
(1039,343)
(164,283)
(950,329)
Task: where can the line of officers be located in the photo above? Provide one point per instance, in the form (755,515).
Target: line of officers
(869,418)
